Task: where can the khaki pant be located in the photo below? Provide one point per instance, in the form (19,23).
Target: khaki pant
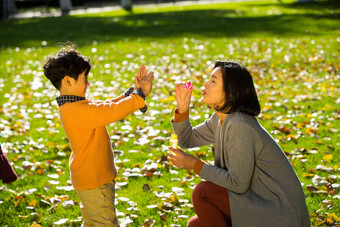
(98,206)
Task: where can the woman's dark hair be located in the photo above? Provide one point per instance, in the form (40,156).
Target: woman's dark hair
(67,62)
(240,94)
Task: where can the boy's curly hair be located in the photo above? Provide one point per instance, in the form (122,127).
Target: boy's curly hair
(66,62)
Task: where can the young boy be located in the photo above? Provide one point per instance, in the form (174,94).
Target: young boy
(92,163)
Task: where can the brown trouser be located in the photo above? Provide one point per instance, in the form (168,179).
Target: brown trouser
(211,203)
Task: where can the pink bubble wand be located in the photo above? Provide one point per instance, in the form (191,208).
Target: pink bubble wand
(189,85)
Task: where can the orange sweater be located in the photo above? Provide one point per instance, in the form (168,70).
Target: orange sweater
(92,162)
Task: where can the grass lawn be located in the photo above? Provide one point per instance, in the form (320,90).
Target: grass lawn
(292,50)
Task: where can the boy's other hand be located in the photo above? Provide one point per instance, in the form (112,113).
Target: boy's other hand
(146,83)
(140,75)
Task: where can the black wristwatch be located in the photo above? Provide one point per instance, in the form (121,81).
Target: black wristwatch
(129,91)
(140,93)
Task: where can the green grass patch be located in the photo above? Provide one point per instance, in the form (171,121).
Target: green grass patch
(292,51)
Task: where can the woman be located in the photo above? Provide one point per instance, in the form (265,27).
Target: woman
(251,183)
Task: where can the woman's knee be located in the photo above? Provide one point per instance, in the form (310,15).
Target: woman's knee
(194,222)
(200,191)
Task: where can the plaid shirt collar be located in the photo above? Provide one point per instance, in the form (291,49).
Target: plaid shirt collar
(61,100)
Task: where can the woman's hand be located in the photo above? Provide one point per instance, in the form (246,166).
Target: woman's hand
(181,159)
(183,96)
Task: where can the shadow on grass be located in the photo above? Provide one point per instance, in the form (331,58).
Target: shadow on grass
(199,23)
(315,5)
(318,4)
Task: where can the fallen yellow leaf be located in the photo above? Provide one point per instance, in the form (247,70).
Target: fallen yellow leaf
(35,225)
(333,217)
(328,157)
(266,116)
(33,203)
(40,171)
(291,136)
(329,221)
(16,203)
(308,175)
(171,98)
(324,188)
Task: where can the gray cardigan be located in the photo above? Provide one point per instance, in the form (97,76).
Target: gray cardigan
(264,189)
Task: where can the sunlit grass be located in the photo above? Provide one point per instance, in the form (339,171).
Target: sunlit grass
(291,50)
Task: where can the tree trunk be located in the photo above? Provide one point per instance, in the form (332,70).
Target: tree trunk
(9,8)
(65,6)
(126,4)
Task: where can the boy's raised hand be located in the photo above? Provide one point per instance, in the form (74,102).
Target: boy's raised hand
(141,73)
(146,83)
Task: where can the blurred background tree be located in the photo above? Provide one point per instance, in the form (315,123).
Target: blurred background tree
(8,8)
(11,7)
